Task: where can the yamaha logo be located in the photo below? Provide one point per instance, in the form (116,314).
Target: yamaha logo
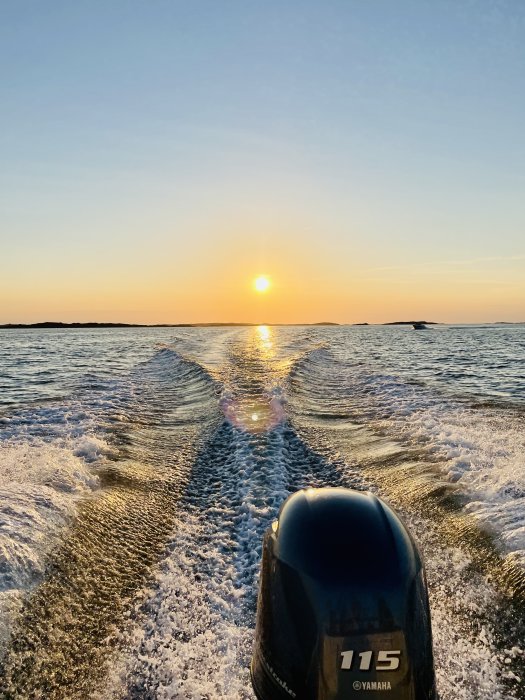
(372,685)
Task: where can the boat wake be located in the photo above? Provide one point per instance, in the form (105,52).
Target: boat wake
(148,587)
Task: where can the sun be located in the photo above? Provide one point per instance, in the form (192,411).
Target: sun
(261,283)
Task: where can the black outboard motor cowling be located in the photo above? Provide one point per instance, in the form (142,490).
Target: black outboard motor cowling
(343,607)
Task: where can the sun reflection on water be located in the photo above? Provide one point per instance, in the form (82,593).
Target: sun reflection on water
(257,408)
(264,339)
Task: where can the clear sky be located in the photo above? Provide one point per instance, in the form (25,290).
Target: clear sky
(367,155)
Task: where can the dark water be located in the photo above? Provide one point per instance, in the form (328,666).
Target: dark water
(140,467)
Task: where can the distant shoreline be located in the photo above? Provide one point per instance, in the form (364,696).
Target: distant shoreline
(95,324)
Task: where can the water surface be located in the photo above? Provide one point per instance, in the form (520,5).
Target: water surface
(139,469)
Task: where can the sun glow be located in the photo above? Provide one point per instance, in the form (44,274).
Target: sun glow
(261,283)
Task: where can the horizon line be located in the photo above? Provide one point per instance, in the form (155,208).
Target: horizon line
(110,324)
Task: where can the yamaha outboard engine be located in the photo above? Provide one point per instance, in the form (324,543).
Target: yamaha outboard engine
(343,607)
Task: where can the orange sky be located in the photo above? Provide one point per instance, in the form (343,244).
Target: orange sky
(372,166)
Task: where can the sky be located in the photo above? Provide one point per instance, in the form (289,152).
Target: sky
(368,156)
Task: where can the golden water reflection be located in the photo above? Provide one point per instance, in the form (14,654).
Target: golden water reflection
(257,408)
(264,338)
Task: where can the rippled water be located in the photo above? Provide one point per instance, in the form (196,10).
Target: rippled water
(139,469)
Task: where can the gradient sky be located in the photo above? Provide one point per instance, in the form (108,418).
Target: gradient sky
(368,155)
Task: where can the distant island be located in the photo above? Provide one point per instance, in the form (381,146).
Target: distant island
(410,323)
(90,324)
(94,324)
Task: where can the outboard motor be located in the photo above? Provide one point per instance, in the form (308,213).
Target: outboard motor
(343,607)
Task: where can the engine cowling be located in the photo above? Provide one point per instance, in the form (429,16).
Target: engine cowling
(343,606)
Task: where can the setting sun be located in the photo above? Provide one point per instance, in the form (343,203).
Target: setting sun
(262,283)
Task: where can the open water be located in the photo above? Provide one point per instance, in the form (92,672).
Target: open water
(139,469)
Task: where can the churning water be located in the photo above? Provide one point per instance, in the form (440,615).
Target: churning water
(139,469)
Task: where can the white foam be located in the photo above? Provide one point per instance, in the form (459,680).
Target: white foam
(192,645)
(193,638)
(468,661)
(478,448)
(40,485)
(481,450)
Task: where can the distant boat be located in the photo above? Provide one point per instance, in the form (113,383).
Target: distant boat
(418,326)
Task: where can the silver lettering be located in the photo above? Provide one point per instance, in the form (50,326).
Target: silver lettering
(376,685)
(386,660)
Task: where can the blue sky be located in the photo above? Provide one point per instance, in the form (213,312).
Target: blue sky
(155,156)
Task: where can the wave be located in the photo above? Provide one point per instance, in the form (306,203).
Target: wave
(40,487)
(150,590)
(78,478)
(192,636)
(478,450)
(405,442)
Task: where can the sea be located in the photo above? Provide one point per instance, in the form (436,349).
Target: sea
(140,468)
